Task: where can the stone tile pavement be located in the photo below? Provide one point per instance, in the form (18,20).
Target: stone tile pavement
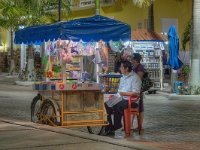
(16,135)
(168,124)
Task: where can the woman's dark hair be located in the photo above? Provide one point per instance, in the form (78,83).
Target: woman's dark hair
(127,64)
(137,57)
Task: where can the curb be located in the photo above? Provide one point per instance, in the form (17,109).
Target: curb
(175,96)
(119,142)
(24,82)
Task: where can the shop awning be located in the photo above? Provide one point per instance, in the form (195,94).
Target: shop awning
(86,29)
(147,35)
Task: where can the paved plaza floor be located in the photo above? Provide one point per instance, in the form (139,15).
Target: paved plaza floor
(168,124)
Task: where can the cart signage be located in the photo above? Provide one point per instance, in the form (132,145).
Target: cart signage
(37,86)
(74,86)
(61,86)
(44,87)
(53,87)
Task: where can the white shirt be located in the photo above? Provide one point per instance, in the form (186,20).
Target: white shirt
(130,83)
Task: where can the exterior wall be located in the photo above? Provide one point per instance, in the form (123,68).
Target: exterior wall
(132,14)
(173,9)
(129,14)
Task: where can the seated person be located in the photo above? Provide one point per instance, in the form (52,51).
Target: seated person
(130,85)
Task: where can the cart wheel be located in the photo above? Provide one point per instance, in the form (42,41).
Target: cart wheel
(48,110)
(154,92)
(96,129)
(35,108)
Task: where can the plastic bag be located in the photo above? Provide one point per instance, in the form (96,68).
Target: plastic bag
(97,57)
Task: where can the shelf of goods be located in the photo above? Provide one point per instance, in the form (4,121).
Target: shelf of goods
(111,62)
(109,84)
(152,62)
(37,60)
(73,69)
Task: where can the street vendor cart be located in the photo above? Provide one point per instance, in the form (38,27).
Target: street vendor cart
(69,97)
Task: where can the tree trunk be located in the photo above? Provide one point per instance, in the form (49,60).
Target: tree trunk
(31,73)
(150,21)
(12,61)
(195,53)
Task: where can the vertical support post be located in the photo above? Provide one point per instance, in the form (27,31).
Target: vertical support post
(99,66)
(102,101)
(174,78)
(59,5)
(97,7)
(23,57)
(64,72)
(62,108)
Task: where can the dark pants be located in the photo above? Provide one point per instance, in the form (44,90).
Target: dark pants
(118,111)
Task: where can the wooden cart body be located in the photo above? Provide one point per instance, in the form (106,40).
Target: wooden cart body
(74,104)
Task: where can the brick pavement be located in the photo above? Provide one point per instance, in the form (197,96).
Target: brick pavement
(168,124)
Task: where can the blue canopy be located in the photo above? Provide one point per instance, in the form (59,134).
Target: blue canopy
(173,60)
(92,28)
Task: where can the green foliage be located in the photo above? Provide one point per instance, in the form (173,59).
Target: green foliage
(16,68)
(143,3)
(186,34)
(53,5)
(196,91)
(10,14)
(190,90)
(15,13)
(7,69)
(185,71)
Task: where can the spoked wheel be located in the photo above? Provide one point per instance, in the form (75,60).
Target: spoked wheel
(48,113)
(35,108)
(98,130)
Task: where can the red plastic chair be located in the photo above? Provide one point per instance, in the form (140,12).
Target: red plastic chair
(131,111)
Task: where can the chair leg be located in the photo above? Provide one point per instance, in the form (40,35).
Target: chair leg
(139,124)
(141,114)
(127,123)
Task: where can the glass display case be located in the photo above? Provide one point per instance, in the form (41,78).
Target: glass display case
(109,83)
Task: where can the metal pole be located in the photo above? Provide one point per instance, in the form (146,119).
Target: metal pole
(97,66)
(59,3)
(97,7)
